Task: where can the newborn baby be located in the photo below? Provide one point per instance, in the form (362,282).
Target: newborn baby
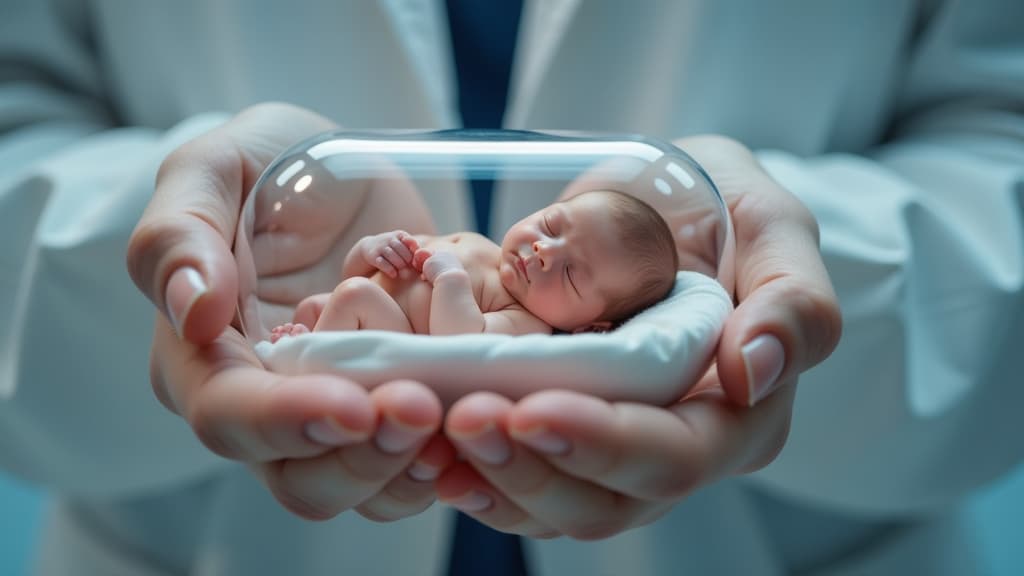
(583,264)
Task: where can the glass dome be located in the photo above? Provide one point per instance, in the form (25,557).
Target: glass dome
(318,198)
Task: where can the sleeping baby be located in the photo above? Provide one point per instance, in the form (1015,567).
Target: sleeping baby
(583,264)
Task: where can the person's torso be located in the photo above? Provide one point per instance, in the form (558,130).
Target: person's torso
(667,69)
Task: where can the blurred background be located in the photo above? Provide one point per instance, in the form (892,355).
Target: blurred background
(997,511)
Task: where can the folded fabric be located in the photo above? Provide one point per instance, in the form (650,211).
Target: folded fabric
(655,357)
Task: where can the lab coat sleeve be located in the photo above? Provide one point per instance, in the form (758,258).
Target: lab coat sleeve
(924,240)
(76,409)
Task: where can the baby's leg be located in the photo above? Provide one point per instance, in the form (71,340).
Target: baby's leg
(308,311)
(360,304)
(306,315)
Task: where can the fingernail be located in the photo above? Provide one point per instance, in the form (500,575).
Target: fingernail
(185,286)
(472,501)
(423,472)
(488,445)
(394,437)
(545,441)
(764,357)
(331,433)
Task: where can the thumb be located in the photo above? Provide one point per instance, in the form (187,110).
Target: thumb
(788,318)
(179,255)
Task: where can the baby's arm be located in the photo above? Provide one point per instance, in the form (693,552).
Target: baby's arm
(453,307)
(389,252)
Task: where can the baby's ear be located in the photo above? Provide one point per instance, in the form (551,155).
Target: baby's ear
(602,326)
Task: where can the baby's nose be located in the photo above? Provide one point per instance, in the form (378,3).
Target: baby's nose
(545,252)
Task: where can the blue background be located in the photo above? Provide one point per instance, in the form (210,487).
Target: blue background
(997,511)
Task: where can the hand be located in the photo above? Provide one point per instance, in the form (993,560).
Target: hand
(433,264)
(321,444)
(560,462)
(389,252)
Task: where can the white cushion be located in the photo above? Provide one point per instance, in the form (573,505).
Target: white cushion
(655,357)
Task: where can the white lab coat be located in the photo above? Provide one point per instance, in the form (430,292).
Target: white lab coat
(922,235)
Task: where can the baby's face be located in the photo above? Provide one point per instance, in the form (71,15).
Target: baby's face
(562,261)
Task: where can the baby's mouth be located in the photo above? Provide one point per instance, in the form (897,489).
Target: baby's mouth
(521,264)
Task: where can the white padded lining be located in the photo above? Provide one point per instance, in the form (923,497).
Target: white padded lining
(655,357)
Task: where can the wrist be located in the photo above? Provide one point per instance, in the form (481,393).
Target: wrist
(452,276)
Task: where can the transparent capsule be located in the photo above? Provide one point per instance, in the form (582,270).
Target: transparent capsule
(318,198)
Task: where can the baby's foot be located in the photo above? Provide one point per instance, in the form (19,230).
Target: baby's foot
(287,329)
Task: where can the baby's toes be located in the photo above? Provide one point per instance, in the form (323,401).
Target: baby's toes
(276,333)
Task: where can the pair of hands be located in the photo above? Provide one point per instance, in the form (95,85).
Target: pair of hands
(396,252)
(554,463)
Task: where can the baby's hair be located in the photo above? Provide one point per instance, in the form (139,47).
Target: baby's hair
(646,235)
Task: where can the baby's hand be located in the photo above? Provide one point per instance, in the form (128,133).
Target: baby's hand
(433,264)
(390,252)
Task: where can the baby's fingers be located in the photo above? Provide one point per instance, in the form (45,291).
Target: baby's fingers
(381,263)
(409,242)
(396,260)
(401,249)
(420,258)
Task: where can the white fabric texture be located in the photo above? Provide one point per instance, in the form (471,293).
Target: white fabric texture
(654,357)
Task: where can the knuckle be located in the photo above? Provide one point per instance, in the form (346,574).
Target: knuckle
(384,508)
(362,471)
(303,509)
(821,321)
(147,241)
(408,494)
(291,500)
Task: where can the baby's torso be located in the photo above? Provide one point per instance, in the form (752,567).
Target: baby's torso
(478,255)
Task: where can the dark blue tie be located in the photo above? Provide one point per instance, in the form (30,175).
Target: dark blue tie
(483,39)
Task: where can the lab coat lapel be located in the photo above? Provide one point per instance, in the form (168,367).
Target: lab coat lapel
(542,27)
(421,29)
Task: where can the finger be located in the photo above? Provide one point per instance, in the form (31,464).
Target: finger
(576,507)
(393,258)
(420,258)
(385,266)
(242,412)
(179,254)
(464,489)
(411,243)
(648,452)
(788,318)
(401,250)
(323,486)
(413,491)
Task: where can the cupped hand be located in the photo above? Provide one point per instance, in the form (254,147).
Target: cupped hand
(564,463)
(322,444)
